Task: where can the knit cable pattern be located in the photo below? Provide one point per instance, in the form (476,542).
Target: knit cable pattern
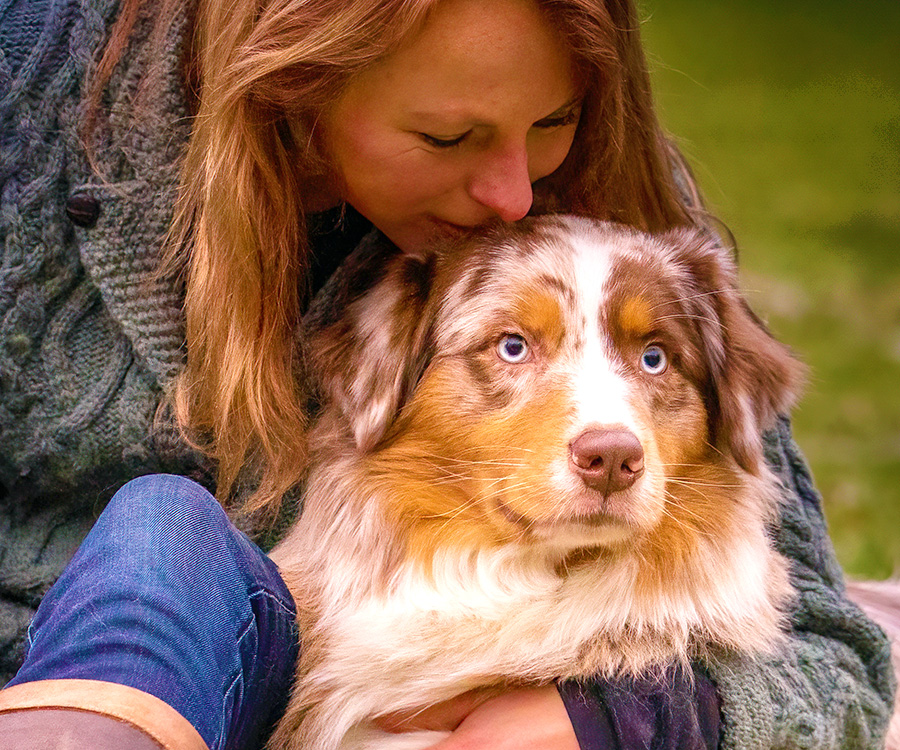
(87,338)
(837,663)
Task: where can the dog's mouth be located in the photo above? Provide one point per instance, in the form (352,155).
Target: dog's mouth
(600,522)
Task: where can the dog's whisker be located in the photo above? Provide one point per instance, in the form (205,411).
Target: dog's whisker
(455,474)
(715,449)
(688,482)
(668,512)
(688,316)
(437,459)
(679,521)
(449,477)
(682,464)
(478,450)
(689,297)
(478,498)
(676,502)
(473,462)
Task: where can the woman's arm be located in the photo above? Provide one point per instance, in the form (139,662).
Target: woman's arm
(831,686)
(674,712)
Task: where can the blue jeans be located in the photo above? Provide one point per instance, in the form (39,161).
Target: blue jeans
(166,596)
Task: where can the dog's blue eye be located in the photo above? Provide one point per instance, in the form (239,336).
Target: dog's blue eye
(654,360)
(513,349)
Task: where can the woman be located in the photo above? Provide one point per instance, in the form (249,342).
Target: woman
(427,118)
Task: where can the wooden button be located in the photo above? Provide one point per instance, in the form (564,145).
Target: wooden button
(83,210)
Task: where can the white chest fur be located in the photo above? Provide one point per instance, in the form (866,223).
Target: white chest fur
(509,615)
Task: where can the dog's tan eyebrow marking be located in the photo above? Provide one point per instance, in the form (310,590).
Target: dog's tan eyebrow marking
(538,311)
(636,316)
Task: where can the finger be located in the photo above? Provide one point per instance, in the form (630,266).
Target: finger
(440,717)
(524,719)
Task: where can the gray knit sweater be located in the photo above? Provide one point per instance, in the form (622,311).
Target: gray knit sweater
(88,341)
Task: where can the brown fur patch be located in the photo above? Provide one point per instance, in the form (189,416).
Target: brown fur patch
(433,474)
(524,443)
(681,432)
(452,460)
(699,504)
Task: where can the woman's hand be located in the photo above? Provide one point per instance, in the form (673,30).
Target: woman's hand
(517,719)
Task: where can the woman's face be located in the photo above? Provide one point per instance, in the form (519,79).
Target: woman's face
(453,128)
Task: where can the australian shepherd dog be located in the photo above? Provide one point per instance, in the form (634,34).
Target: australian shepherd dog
(538,457)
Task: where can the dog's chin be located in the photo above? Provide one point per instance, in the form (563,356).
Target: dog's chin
(576,531)
(565,536)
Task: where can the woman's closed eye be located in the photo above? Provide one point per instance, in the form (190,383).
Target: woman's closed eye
(561,121)
(547,123)
(443,142)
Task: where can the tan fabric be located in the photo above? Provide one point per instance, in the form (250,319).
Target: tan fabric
(148,713)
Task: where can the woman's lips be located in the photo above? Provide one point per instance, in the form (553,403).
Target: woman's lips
(449,225)
(450,230)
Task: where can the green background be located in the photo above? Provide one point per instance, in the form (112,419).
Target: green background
(789,112)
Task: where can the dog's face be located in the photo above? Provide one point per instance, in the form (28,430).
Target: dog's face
(565,382)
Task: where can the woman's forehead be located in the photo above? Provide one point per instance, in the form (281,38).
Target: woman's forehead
(470,57)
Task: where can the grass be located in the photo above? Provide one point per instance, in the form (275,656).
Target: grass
(790,115)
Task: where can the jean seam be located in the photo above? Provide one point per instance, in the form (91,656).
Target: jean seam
(287,608)
(242,634)
(238,678)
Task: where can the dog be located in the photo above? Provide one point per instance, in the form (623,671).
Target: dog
(538,457)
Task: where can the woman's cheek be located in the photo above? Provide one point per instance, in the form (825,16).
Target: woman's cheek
(549,151)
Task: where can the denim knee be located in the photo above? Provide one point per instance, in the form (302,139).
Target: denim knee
(167,596)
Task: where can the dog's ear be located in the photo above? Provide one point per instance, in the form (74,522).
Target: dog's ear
(372,349)
(752,377)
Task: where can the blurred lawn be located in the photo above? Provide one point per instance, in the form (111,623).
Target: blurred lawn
(790,115)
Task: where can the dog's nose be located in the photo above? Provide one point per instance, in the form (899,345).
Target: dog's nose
(607,460)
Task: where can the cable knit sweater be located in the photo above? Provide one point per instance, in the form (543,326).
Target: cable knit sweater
(88,341)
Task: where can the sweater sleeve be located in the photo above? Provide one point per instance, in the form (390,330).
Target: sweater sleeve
(831,685)
(678,711)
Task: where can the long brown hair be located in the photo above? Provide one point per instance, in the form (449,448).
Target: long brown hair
(264,73)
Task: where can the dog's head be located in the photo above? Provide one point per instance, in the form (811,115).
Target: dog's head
(562,380)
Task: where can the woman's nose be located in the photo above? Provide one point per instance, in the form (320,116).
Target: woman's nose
(502,184)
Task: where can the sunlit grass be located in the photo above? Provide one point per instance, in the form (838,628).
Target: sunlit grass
(790,114)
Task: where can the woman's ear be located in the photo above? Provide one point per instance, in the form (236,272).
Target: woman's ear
(370,355)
